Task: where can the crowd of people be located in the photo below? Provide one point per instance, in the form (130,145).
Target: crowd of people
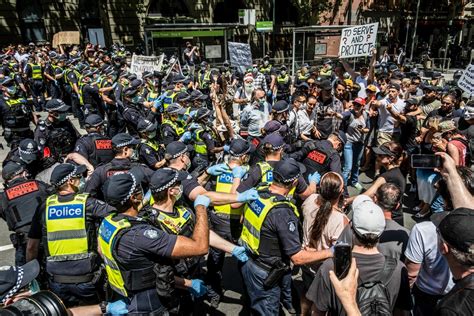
(135,211)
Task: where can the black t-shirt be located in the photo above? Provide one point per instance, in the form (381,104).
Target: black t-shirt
(459,301)
(396,177)
(409,133)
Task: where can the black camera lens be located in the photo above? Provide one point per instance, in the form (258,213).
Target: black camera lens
(43,303)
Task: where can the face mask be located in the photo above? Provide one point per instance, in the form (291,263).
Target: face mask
(152,135)
(82,185)
(134,156)
(265,63)
(180,194)
(248,86)
(12,90)
(187,164)
(135,99)
(203,68)
(261,102)
(283,72)
(62,117)
(254,69)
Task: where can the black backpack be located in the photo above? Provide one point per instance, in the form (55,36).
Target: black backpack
(372,296)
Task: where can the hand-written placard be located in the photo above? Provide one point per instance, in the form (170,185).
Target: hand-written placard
(466,82)
(240,55)
(141,64)
(358,40)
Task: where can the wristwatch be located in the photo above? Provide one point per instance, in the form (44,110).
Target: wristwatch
(103,307)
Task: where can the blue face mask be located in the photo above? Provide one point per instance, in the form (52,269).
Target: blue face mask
(135,99)
(12,90)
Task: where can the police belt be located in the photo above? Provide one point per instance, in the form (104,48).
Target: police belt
(70,279)
(255,259)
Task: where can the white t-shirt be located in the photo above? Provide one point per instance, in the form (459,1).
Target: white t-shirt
(434,277)
(386,122)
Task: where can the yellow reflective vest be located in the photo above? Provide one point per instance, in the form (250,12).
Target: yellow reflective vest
(177,129)
(254,215)
(267,175)
(36,71)
(66,228)
(177,225)
(169,99)
(224,185)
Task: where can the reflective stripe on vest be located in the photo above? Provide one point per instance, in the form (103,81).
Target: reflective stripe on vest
(13,102)
(267,175)
(224,185)
(153,144)
(66,227)
(254,215)
(36,72)
(107,232)
(200,146)
(169,98)
(283,80)
(152,96)
(175,225)
(178,130)
(204,82)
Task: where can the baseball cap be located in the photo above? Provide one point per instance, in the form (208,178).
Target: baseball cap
(275,140)
(56,105)
(165,178)
(371,88)
(11,169)
(66,171)
(281,106)
(287,170)
(272,127)
(395,86)
(146,126)
(28,150)
(456,228)
(124,139)
(384,150)
(367,216)
(177,148)
(240,147)
(436,75)
(360,101)
(14,278)
(412,101)
(93,120)
(175,108)
(120,187)
(325,85)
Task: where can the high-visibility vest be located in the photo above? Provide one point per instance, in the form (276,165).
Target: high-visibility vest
(107,232)
(200,146)
(266,172)
(254,215)
(204,80)
(78,76)
(66,228)
(152,96)
(169,99)
(182,224)
(224,185)
(266,70)
(36,71)
(178,130)
(153,144)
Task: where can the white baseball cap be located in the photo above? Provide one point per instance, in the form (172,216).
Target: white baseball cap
(367,216)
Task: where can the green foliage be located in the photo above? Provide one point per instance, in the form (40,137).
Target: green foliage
(311,12)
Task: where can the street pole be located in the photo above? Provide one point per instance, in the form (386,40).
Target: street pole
(274,27)
(414,30)
(406,37)
(450,22)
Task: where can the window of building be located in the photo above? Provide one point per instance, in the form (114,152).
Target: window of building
(30,14)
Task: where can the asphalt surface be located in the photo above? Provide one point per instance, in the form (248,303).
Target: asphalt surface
(232,303)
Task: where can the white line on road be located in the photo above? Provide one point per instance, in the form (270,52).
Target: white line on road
(5,248)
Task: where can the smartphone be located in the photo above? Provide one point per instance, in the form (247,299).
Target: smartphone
(425,161)
(342,259)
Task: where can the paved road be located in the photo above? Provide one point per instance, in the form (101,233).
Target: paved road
(232,302)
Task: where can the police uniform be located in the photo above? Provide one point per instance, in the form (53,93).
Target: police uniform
(149,150)
(172,130)
(89,97)
(271,236)
(204,140)
(59,137)
(283,83)
(34,73)
(95,147)
(73,77)
(54,90)
(134,112)
(67,226)
(116,165)
(19,201)
(204,78)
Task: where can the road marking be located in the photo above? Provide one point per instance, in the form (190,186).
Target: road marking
(5,248)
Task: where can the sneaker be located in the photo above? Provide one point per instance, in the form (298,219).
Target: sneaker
(358,186)
(421,215)
(290,309)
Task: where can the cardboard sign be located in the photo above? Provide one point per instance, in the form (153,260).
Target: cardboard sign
(358,40)
(240,55)
(466,82)
(141,64)
(68,38)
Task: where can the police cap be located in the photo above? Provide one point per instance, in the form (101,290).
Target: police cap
(15,278)
(286,171)
(165,178)
(175,108)
(124,139)
(281,106)
(56,105)
(146,74)
(176,149)
(93,120)
(240,147)
(146,126)
(272,127)
(28,150)
(65,171)
(11,170)
(120,187)
(275,140)
(202,113)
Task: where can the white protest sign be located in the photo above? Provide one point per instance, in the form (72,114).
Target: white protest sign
(141,64)
(358,40)
(240,55)
(466,82)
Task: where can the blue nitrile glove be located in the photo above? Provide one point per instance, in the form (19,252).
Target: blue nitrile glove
(218,169)
(226,148)
(202,200)
(314,177)
(114,85)
(185,137)
(193,126)
(193,113)
(248,195)
(239,172)
(198,288)
(240,253)
(117,308)
(269,93)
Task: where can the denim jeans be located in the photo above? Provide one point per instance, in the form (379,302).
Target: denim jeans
(352,156)
(263,302)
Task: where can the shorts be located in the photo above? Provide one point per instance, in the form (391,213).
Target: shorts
(383,137)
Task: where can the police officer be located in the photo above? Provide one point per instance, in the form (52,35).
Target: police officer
(96,147)
(322,155)
(73,79)
(132,246)
(124,148)
(89,97)
(134,110)
(271,236)
(149,150)
(15,113)
(170,95)
(34,73)
(204,139)
(56,132)
(21,197)
(18,78)
(262,172)
(283,85)
(66,224)
(204,78)
(27,155)
(302,74)
(52,73)
(225,220)
(172,128)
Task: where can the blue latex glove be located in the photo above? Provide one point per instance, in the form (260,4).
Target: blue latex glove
(226,148)
(117,308)
(198,288)
(239,172)
(248,195)
(193,113)
(269,93)
(218,169)
(114,85)
(185,137)
(314,177)
(202,200)
(240,253)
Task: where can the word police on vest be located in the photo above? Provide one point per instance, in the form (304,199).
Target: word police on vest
(65,211)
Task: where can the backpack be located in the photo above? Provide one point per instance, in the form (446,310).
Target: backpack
(372,296)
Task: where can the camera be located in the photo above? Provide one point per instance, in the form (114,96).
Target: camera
(42,303)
